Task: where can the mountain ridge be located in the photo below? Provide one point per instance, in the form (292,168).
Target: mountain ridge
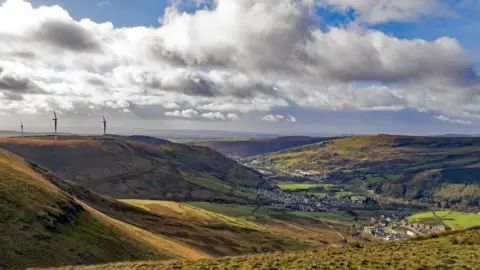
(157,169)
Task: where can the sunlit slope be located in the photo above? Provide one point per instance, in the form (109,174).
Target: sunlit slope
(40,225)
(220,234)
(431,168)
(457,250)
(314,228)
(196,238)
(137,170)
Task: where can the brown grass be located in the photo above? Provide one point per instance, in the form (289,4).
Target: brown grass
(460,250)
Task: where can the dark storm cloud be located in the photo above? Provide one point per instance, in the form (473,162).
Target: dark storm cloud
(24,54)
(68,35)
(96,82)
(200,84)
(19,85)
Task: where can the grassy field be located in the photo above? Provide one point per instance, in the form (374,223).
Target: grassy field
(454,220)
(301,186)
(454,250)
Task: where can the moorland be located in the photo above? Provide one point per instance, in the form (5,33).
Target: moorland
(324,202)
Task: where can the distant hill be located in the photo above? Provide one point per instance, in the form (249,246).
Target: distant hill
(252,147)
(453,250)
(444,170)
(139,167)
(41,225)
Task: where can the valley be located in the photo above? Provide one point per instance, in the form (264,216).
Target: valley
(187,202)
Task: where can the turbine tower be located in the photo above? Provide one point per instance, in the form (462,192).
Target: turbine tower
(55,120)
(21,127)
(104,126)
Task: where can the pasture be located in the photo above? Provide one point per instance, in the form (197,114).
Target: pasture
(454,220)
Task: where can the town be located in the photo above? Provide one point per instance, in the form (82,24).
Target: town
(293,201)
(395,228)
(265,167)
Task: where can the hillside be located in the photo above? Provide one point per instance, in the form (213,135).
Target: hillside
(439,170)
(455,250)
(141,168)
(252,147)
(41,213)
(40,225)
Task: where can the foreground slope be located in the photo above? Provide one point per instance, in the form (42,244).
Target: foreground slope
(252,147)
(188,232)
(141,168)
(433,169)
(40,225)
(457,250)
(46,221)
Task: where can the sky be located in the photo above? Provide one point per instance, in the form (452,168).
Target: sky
(306,66)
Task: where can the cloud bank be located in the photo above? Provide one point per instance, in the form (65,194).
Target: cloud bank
(226,62)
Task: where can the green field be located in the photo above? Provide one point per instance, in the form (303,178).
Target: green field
(454,220)
(295,186)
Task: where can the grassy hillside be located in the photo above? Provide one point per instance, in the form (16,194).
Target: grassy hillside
(252,147)
(40,225)
(454,220)
(315,228)
(457,250)
(228,235)
(41,214)
(186,225)
(131,168)
(433,169)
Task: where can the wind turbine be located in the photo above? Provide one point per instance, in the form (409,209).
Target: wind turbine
(55,120)
(21,126)
(104,126)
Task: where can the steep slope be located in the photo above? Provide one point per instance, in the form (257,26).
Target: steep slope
(89,228)
(252,147)
(433,169)
(199,238)
(159,170)
(457,250)
(40,225)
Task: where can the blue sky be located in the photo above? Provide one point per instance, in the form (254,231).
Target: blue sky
(124,13)
(422,88)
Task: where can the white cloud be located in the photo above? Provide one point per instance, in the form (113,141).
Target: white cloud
(456,121)
(213,116)
(189,113)
(279,118)
(381,11)
(232,116)
(291,118)
(239,57)
(273,118)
